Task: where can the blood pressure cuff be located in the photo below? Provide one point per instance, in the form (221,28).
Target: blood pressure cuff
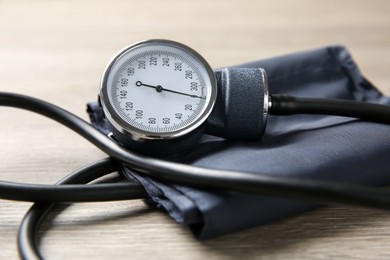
(307,146)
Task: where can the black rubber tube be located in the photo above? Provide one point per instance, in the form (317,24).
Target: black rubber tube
(288,105)
(257,183)
(27,240)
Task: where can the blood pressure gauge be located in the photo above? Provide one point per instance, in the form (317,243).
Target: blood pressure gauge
(156,93)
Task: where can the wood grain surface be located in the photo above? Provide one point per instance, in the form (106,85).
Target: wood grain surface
(57,50)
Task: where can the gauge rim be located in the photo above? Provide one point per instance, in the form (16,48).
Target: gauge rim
(124,127)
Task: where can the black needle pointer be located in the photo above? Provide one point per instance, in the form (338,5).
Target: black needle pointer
(159,89)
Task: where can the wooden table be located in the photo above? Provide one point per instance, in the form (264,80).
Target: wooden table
(57,50)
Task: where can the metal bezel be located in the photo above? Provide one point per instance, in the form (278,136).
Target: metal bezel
(267,100)
(137,134)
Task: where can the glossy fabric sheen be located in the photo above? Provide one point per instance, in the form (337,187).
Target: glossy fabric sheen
(307,146)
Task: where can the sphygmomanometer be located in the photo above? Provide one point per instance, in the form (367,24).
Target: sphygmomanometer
(157,99)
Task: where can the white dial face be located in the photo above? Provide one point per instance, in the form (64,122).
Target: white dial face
(158,87)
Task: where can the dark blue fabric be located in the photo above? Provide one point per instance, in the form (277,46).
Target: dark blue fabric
(310,146)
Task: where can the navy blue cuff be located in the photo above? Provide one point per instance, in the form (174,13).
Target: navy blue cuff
(310,146)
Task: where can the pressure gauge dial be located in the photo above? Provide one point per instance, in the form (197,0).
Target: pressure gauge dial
(157,90)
